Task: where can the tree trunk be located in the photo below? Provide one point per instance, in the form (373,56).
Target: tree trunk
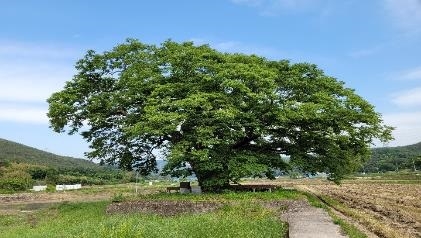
(211,180)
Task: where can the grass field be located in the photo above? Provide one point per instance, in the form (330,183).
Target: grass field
(387,205)
(240,216)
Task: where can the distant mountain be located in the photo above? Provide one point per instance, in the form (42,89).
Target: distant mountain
(398,151)
(394,158)
(382,159)
(14,152)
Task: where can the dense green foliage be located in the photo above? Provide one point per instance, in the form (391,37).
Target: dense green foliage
(14,178)
(220,116)
(89,220)
(20,176)
(394,159)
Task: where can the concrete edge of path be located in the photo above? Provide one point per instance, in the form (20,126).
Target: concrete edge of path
(307,221)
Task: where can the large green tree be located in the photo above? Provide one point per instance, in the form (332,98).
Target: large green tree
(220,116)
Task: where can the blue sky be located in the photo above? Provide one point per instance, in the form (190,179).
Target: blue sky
(373,46)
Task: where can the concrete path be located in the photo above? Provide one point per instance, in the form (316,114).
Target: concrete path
(307,221)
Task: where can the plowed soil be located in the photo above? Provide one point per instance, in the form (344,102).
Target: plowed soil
(396,205)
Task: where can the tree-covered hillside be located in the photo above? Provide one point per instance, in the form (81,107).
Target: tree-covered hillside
(14,152)
(394,158)
(22,166)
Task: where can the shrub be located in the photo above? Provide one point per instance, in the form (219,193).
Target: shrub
(17,180)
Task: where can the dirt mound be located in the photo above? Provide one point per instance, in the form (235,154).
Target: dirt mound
(164,208)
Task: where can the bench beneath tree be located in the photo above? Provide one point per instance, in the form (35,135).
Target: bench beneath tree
(169,189)
(254,187)
(184,187)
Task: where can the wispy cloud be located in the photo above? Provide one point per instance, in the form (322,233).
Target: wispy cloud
(240,47)
(370,51)
(406,14)
(278,7)
(250,3)
(29,74)
(40,51)
(23,113)
(408,127)
(31,81)
(412,74)
(363,53)
(408,98)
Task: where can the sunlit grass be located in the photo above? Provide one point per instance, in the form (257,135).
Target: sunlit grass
(242,219)
(227,196)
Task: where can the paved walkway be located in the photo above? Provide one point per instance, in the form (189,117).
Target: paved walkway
(307,221)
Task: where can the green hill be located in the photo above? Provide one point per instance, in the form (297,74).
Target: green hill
(14,152)
(394,158)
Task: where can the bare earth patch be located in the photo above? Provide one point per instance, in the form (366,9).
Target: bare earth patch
(385,208)
(394,206)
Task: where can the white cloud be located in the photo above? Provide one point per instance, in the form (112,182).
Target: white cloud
(412,74)
(409,98)
(408,127)
(31,81)
(239,47)
(29,74)
(405,14)
(41,51)
(361,53)
(277,7)
(251,3)
(23,114)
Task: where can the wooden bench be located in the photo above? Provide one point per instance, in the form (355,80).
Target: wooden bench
(254,187)
(169,189)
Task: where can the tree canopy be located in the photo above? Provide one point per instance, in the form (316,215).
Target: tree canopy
(221,116)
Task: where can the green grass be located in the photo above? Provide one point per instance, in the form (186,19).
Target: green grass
(349,229)
(244,218)
(227,196)
(315,201)
(400,177)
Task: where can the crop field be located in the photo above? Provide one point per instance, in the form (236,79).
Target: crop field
(389,210)
(387,205)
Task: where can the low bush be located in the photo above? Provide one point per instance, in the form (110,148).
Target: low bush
(15,181)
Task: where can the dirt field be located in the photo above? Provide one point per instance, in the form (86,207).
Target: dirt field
(15,203)
(386,208)
(390,210)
